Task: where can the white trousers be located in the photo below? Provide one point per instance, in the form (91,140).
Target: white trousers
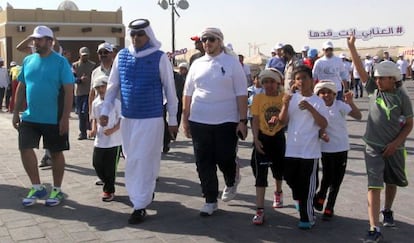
(141,145)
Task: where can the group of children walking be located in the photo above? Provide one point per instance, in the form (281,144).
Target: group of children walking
(315,125)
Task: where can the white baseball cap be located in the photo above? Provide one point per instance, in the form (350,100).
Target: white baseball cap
(42,31)
(327,45)
(105,46)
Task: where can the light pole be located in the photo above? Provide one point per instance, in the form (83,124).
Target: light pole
(182,4)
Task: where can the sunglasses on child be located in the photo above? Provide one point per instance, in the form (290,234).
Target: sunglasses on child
(208,38)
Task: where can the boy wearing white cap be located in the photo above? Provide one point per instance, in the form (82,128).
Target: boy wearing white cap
(390,111)
(334,151)
(108,140)
(47,115)
(269,139)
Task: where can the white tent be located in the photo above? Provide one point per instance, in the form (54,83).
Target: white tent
(258,59)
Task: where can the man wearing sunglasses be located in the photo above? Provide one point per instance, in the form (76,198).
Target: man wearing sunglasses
(105,56)
(142,74)
(214,113)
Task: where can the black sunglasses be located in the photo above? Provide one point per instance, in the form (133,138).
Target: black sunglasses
(210,39)
(103,52)
(138,33)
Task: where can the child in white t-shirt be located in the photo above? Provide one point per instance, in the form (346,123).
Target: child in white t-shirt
(107,140)
(305,114)
(334,152)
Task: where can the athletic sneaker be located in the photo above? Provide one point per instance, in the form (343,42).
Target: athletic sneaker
(208,209)
(388,218)
(373,236)
(278,200)
(306,225)
(45,161)
(327,214)
(258,219)
(137,216)
(107,196)
(99,182)
(318,203)
(229,193)
(55,198)
(33,195)
(296,202)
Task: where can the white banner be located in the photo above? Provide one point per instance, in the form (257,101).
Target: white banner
(359,34)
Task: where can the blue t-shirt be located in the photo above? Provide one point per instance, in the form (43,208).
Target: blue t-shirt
(44,77)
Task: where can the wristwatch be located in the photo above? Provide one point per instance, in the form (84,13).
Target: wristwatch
(244,121)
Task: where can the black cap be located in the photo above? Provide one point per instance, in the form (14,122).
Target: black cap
(139,24)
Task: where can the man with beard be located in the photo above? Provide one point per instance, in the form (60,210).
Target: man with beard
(214,112)
(46,84)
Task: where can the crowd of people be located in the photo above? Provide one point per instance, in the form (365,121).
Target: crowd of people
(134,101)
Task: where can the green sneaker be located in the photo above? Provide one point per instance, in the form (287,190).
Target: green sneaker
(33,195)
(55,198)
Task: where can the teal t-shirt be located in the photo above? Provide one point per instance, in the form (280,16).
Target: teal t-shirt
(44,77)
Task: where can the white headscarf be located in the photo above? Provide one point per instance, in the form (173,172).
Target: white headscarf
(387,69)
(328,84)
(154,43)
(216,32)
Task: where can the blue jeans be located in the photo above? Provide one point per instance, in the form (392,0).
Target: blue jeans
(358,86)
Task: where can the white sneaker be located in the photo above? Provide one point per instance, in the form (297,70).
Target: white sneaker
(229,193)
(208,209)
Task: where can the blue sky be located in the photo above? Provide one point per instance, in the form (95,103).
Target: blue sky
(263,22)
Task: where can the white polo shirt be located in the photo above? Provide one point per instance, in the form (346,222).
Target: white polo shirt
(214,84)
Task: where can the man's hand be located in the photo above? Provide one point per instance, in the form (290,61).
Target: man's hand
(173,130)
(242,128)
(16,120)
(186,128)
(103,120)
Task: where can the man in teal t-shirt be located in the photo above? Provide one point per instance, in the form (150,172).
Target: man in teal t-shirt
(46,84)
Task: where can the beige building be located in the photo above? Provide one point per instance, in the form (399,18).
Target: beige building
(72,28)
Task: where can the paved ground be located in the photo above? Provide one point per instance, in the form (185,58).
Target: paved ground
(173,216)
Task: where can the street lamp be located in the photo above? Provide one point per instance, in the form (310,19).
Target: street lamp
(182,4)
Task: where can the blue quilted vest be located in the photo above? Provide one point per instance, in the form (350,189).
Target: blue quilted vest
(141,87)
